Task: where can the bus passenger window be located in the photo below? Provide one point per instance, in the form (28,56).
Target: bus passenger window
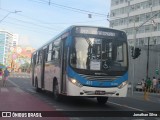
(46,55)
(56,49)
(38,57)
(34,59)
(49,52)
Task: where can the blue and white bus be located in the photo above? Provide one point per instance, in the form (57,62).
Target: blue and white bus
(83,61)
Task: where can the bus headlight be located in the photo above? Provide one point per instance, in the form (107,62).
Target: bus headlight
(122,85)
(75,82)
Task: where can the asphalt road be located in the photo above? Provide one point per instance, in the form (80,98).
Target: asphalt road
(89,106)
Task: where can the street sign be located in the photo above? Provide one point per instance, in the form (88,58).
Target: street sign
(157,72)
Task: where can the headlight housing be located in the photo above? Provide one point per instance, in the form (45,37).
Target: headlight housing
(75,82)
(123,84)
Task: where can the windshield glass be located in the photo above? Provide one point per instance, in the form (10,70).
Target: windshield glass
(96,54)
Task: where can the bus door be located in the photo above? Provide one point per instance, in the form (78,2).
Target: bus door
(33,67)
(64,52)
(43,67)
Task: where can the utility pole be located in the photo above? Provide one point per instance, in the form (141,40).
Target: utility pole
(147,58)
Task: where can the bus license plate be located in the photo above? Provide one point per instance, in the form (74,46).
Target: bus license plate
(97,92)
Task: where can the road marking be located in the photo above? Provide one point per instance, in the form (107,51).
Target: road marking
(60,109)
(125,106)
(130,108)
(74,118)
(54,106)
(19,76)
(50,103)
(4,90)
(32,91)
(19,90)
(138,119)
(14,83)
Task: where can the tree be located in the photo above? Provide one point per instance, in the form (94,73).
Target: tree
(24,67)
(2,66)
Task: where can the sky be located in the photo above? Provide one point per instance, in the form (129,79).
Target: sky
(38,21)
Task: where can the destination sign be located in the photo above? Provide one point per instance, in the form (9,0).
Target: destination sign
(94,31)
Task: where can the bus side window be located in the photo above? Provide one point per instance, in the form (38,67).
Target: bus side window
(37,60)
(49,52)
(46,57)
(40,57)
(53,52)
(56,50)
(34,59)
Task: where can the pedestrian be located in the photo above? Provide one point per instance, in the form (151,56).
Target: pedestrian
(158,85)
(5,76)
(148,84)
(143,84)
(155,83)
(1,74)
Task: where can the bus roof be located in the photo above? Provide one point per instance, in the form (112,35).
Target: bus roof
(69,30)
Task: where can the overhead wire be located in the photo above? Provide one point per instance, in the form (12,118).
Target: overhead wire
(42,22)
(36,25)
(24,27)
(50,28)
(69,8)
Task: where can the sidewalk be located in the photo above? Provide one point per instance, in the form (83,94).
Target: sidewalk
(14,99)
(152,97)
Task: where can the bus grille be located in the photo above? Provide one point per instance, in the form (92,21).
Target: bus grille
(99,77)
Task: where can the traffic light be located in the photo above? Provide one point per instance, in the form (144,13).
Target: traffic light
(157,72)
(132,52)
(135,52)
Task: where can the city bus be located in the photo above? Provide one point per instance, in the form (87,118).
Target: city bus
(84,61)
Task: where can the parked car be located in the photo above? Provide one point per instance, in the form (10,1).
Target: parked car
(139,87)
(129,85)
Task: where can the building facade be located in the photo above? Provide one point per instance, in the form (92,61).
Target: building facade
(15,40)
(128,15)
(5,44)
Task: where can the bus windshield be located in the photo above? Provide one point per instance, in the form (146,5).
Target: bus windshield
(98,54)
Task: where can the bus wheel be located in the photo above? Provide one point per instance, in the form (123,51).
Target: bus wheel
(102,100)
(56,91)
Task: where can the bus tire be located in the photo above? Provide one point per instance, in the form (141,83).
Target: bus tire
(56,94)
(102,100)
(36,85)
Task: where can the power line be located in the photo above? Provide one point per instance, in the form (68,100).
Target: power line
(24,27)
(35,25)
(70,8)
(42,22)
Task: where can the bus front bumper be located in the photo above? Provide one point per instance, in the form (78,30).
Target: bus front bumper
(73,90)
